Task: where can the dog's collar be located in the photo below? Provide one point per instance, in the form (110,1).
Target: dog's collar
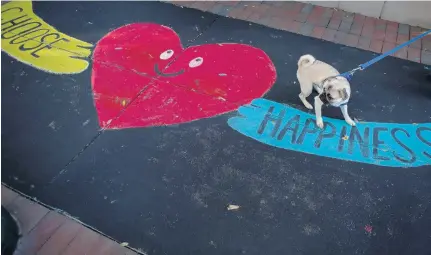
(346,75)
(328,104)
(343,104)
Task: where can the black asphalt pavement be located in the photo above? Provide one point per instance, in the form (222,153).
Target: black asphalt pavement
(165,188)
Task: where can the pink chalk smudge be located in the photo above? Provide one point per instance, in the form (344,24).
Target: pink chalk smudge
(368,228)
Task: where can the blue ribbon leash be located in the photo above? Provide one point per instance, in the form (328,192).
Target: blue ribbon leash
(348,75)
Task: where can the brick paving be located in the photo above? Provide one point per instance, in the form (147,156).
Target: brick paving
(354,30)
(47,232)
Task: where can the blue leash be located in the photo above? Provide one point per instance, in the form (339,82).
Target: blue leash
(348,75)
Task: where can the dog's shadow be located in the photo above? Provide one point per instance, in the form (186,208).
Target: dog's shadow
(420,85)
(329,111)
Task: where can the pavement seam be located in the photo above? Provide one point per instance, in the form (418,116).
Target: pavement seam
(145,87)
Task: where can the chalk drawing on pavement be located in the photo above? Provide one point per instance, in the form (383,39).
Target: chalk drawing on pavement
(183,84)
(146,62)
(384,144)
(30,40)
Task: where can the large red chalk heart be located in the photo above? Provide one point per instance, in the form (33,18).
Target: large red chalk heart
(177,85)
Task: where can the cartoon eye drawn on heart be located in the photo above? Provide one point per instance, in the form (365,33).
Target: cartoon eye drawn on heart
(167,54)
(196,62)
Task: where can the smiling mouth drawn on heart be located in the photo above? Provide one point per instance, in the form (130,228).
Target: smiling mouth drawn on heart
(157,70)
(200,82)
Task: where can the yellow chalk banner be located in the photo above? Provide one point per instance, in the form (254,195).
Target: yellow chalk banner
(29,39)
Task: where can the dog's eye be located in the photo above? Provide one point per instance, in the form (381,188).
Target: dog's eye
(196,62)
(167,54)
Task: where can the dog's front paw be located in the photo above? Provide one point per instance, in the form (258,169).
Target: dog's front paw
(319,123)
(351,122)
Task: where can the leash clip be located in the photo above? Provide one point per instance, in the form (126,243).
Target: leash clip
(359,68)
(349,74)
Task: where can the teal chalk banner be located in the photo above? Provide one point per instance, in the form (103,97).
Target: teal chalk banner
(383,144)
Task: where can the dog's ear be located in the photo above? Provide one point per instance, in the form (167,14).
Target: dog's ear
(343,93)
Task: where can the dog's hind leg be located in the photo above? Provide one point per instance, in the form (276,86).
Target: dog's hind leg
(305,102)
(306,89)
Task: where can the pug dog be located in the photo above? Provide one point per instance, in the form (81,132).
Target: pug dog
(333,89)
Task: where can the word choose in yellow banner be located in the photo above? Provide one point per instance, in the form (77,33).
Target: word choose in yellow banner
(29,39)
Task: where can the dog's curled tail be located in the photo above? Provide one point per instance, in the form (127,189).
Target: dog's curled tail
(306,60)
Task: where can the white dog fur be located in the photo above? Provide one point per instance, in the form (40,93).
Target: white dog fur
(332,88)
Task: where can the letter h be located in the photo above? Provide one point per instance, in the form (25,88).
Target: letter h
(270,117)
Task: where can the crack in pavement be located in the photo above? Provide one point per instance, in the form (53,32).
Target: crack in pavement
(153,79)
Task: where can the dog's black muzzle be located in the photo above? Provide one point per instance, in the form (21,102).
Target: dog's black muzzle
(323,98)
